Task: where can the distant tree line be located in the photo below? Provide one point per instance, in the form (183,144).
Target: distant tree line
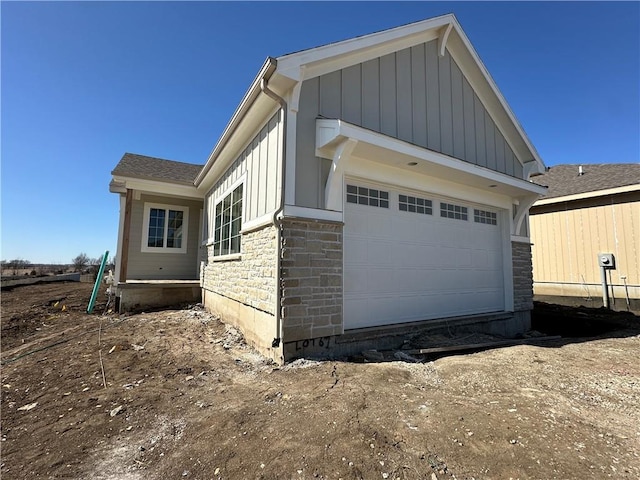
(80,263)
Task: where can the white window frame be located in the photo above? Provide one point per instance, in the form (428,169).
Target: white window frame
(243,215)
(145,228)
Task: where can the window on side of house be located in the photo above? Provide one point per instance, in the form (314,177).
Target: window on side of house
(449,210)
(165,228)
(228,223)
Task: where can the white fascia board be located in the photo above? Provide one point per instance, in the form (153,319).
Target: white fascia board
(384,149)
(262,109)
(311,213)
(159,188)
(320,60)
(585,195)
(469,60)
(246,102)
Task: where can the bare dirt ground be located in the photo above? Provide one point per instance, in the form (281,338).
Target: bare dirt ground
(186,398)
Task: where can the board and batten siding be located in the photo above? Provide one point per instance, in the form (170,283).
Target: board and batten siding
(163,266)
(413,95)
(568,238)
(260,163)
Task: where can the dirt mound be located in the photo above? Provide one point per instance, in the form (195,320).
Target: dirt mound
(186,398)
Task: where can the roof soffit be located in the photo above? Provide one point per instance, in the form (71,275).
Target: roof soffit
(380,148)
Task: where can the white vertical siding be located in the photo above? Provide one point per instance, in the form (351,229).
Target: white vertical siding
(260,164)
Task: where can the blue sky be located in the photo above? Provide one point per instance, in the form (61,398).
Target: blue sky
(84,82)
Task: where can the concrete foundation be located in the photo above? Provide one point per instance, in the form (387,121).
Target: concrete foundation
(147,294)
(393,337)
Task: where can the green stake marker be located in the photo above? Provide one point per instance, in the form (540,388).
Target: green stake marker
(96,287)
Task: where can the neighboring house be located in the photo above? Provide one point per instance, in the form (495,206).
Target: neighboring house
(587,210)
(360,189)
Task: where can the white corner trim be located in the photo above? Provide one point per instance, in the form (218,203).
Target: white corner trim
(312,213)
(442,40)
(333,189)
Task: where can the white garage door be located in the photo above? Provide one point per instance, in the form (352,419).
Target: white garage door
(410,257)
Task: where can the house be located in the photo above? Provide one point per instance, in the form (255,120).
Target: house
(361,189)
(588,210)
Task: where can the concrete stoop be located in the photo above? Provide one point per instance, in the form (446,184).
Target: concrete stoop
(398,336)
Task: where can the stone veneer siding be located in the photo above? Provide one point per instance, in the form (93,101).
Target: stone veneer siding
(250,279)
(522,276)
(243,290)
(311,268)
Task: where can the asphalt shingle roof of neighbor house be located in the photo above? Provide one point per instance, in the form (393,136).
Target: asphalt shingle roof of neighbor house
(563,180)
(152,168)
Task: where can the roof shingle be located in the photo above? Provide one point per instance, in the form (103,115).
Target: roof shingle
(563,180)
(151,168)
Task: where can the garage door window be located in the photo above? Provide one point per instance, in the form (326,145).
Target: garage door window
(367,196)
(449,210)
(482,216)
(407,203)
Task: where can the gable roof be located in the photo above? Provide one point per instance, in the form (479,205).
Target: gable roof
(564,180)
(151,168)
(286,73)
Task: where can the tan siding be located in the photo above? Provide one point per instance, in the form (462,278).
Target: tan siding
(566,243)
(261,164)
(163,266)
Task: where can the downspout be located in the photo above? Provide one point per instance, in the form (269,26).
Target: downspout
(277,220)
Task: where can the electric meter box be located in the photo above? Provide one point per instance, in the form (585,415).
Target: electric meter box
(607,260)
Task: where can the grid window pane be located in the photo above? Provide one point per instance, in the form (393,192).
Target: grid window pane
(156,227)
(408,203)
(484,216)
(449,210)
(367,196)
(227,237)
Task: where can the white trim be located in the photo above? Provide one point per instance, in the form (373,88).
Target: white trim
(158,188)
(439,165)
(442,40)
(333,190)
(507,259)
(247,101)
(290,148)
(220,198)
(585,195)
(225,258)
(334,56)
(312,213)
(230,189)
(497,95)
(325,59)
(521,213)
(520,239)
(257,223)
(144,247)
